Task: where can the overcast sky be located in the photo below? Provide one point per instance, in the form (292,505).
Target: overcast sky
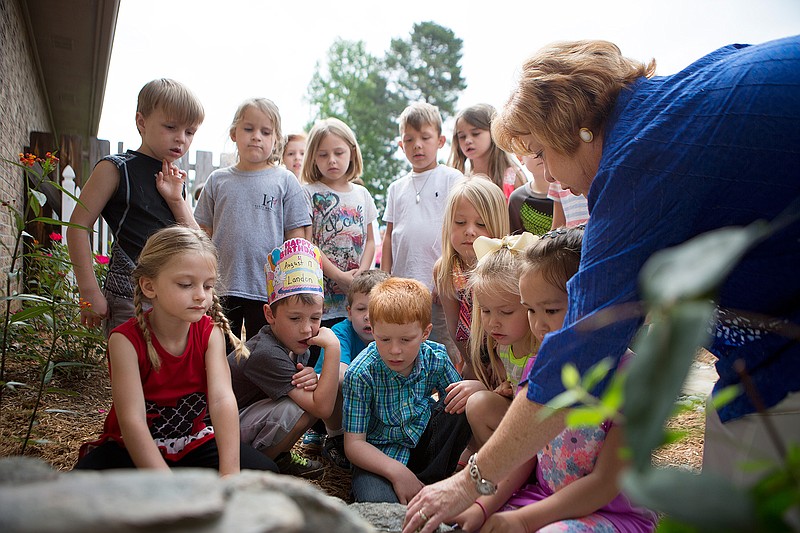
(236,49)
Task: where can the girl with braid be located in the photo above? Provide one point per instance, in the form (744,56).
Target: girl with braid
(169,369)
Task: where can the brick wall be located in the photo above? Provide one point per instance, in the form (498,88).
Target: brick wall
(22,110)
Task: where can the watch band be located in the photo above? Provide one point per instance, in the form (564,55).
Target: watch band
(482,485)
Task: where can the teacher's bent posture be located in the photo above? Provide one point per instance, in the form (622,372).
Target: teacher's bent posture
(661,160)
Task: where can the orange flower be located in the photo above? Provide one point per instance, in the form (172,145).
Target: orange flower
(27,159)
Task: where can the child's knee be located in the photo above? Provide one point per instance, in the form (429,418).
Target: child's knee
(478,405)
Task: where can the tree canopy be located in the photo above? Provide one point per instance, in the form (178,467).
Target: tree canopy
(368,93)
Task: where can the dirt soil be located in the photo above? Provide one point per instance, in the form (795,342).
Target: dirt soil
(68,418)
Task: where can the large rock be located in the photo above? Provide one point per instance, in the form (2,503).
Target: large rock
(33,499)
(388,517)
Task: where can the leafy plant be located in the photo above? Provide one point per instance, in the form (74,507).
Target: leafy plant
(679,286)
(44,326)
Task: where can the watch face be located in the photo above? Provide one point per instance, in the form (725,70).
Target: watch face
(485,489)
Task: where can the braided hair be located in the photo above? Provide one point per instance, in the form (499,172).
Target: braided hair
(157,251)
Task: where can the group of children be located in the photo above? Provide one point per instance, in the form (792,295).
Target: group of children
(409,368)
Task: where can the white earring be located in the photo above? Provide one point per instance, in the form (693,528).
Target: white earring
(586,135)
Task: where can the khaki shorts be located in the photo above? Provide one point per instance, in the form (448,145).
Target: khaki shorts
(267,422)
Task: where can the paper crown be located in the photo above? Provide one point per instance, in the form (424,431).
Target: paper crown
(294,267)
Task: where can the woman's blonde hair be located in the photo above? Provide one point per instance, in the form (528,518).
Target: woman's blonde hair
(490,203)
(268,107)
(497,272)
(158,250)
(564,87)
(481,116)
(321,129)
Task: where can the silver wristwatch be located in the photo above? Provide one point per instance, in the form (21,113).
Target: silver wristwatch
(483,486)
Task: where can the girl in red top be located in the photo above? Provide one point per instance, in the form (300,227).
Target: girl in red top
(169,368)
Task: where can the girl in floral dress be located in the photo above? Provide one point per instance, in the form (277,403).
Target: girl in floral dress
(571,484)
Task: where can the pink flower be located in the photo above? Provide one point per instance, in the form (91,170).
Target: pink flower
(55,236)
(101,259)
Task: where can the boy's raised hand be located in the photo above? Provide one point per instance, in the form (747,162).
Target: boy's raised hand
(170,182)
(305,378)
(324,339)
(94,308)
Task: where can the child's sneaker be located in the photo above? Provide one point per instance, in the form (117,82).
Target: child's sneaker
(312,440)
(334,452)
(294,464)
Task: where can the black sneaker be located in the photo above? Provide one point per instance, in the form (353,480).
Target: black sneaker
(333,451)
(294,464)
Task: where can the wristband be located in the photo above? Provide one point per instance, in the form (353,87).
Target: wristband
(485,514)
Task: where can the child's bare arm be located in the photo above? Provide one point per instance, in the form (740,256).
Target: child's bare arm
(386,251)
(170,182)
(128,396)
(320,401)
(331,271)
(367,457)
(95,195)
(208,229)
(559,219)
(368,256)
(297,233)
(305,378)
(222,404)
(450,306)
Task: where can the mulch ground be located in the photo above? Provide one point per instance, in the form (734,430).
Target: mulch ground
(65,421)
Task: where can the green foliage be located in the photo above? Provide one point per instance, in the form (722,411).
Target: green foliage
(426,66)
(679,286)
(352,88)
(44,328)
(368,93)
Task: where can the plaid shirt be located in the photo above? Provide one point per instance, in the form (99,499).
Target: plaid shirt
(391,409)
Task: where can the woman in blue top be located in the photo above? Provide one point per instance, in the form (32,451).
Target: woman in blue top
(661,160)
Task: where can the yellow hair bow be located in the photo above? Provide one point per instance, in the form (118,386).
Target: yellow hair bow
(518,243)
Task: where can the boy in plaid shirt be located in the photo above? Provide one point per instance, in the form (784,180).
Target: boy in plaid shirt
(397,436)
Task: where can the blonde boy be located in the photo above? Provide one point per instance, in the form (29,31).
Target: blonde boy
(415,206)
(276,402)
(137,193)
(396,435)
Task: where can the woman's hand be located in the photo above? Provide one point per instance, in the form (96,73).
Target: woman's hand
(439,503)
